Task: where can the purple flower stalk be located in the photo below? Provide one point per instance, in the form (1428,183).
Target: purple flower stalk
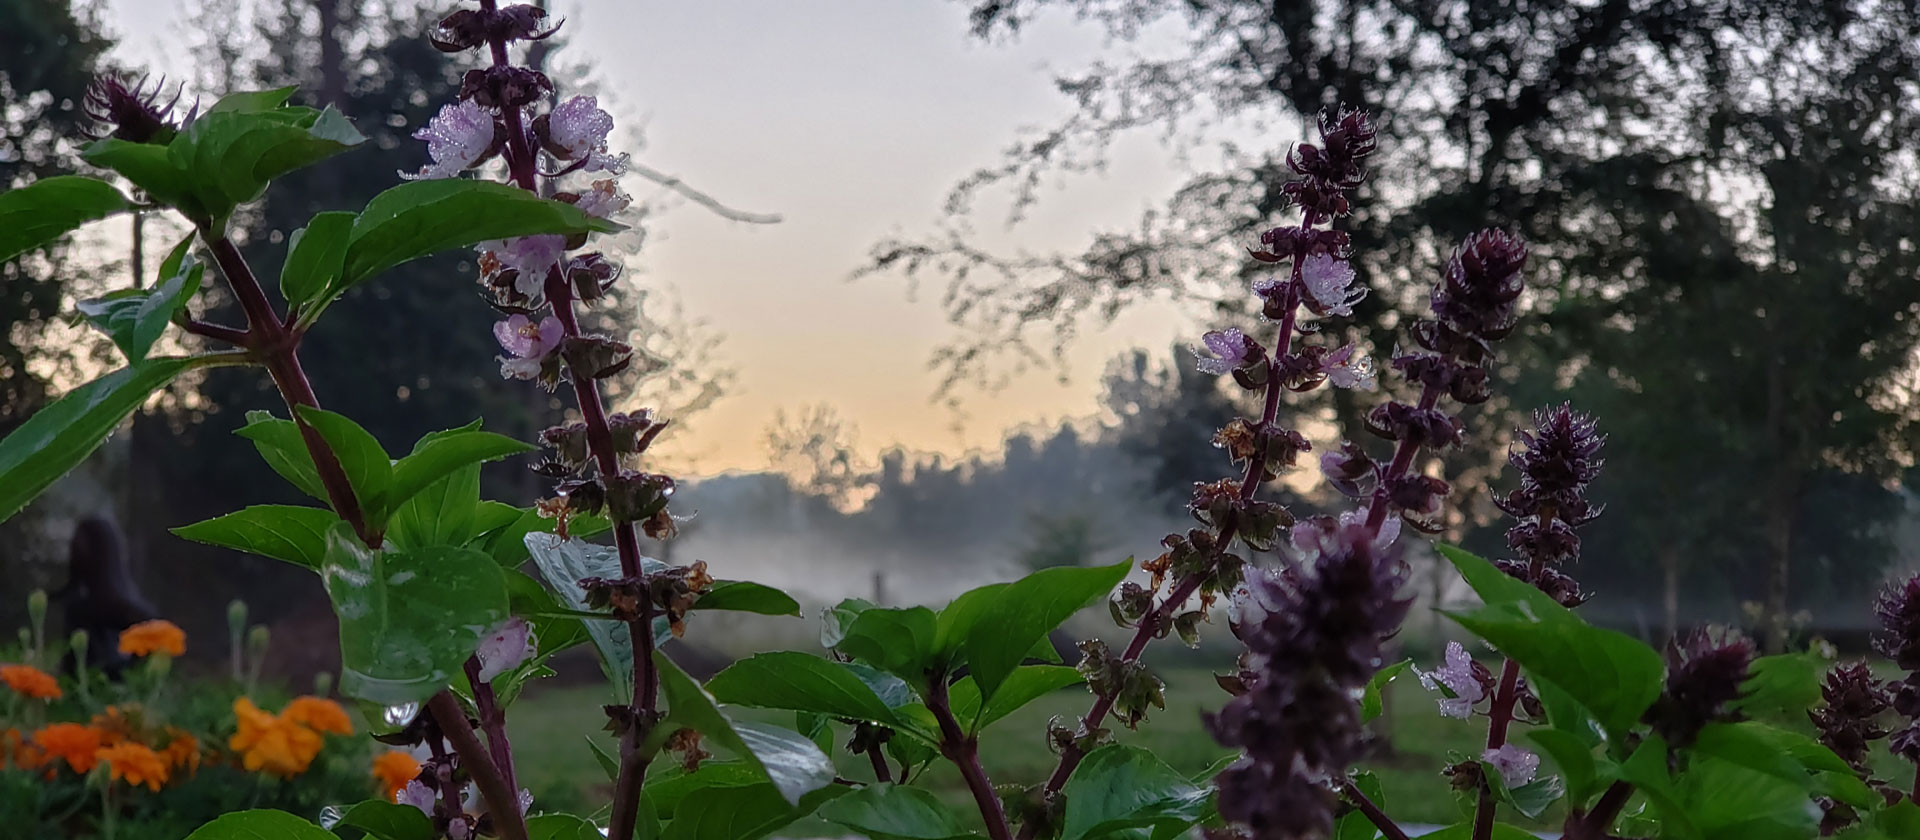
(1556,462)
(1314,633)
(1899,639)
(1704,673)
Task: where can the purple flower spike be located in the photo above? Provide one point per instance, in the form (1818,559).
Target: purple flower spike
(458,138)
(504,649)
(1230,346)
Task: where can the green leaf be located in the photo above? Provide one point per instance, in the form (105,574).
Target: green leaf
(898,641)
(1729,801)
(892,812)
(560,827)
(261,824)
(151,168)
(368,469)
(1464,831)
(388,821)
(253,100)
(1371,704)
(234,154)
(1025,685)
(1354,825)
(740,813)
(792,762)
(1119,787)
(316,254)
(408,619)
(748,597)
(1531,799)
(563,563)
(671,785)
(62,434)
(39,213)
(800,682)
(290,533)
(1899,820)
(507,541)
(835,622)
(1647,770)
(281,446)
(1782,685)
(1614,676)
(420,218)
(1575,759)
(1023,613)
(607,762)
(443,453)
(440,514)
(959,616)
(136,318)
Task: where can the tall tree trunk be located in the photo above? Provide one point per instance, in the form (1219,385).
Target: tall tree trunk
(333,54)
(1779,510)
(1670,573)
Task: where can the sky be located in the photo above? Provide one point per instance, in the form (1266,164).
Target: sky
(851,119)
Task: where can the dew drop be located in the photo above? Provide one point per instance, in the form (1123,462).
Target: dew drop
(400,715)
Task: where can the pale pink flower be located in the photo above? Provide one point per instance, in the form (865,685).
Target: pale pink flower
(531,256)
(1458,677)
(1329,284)
(604,200)
(1348,368)
(457,138)
(528,339)
(1230,348)
(505,648)
(1516,766)
(418,795)
(579,129)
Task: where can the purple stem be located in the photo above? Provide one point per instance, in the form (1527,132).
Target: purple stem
(633,764)
(1151,623)
(964,751)
(1388,828)
(278,349)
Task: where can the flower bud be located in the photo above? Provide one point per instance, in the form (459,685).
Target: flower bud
(78,642)
(134,114)
(634,496)
(323,684)
(596,356)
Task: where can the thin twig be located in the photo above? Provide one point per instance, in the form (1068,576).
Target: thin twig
(674,183)
(1388,828)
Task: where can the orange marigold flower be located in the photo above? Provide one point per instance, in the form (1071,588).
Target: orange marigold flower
(318,714)
(114,726)
(150,636)
(30,682)
(74,742)
(270,743)
(135,764)
(183,751)
(394,769)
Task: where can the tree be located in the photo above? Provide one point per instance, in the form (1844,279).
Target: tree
(53,51)
(1733,177)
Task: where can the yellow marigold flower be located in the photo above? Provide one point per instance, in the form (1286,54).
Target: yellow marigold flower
(318,714)
(394,769)
(74,742)
(150,636)
(30,682)
(272,744)
(135,764)
(183,751)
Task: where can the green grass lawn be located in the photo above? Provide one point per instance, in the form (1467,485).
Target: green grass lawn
(550,726)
